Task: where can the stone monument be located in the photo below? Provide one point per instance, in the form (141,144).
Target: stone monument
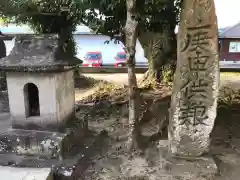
(196,83)
(195,92)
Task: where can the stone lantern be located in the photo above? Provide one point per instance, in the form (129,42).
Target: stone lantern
(40,81)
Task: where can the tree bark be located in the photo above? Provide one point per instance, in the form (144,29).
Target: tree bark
(3,83)
(131,28)
(159,49)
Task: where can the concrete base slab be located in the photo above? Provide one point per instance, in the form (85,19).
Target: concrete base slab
(13,160)
(185,169)
(26,142)
(171,169)
(31,149)
(10,173)
(163,166)
(67,168)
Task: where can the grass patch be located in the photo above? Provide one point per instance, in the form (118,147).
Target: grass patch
(113,92)
(229,74)
(83,82)
(106,91)
(116,93)
(108,87)
(229,96)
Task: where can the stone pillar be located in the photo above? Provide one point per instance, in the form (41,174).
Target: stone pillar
(196,82)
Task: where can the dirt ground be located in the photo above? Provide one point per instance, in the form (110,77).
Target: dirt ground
(116,78)
(121,78)
(231,80)
(109,159)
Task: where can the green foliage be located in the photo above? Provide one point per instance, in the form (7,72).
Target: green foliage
(167,76)
(229,96)
(153,16)
(47,16)
(103,16)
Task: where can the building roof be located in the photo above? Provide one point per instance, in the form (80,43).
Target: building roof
(231,32)
(37,53)
(220,30)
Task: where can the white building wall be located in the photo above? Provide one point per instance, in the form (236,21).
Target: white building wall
(87,43)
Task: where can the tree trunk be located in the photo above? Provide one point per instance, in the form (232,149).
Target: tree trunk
(3,83)
(134,94)
(159,49)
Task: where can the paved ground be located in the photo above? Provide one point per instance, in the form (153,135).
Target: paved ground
(8,173)
(118,78)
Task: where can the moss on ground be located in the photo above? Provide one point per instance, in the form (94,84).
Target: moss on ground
(229,74)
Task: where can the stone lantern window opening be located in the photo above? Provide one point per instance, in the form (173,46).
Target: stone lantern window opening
(31,100)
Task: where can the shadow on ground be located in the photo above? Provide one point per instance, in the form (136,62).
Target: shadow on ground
(225,144)
(82,82)
(108,127)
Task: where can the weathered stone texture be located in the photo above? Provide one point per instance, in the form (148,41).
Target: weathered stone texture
(39,143)
(36,53)
(196,83)
(56,98)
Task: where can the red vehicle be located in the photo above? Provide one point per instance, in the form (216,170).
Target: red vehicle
(120,59)
(93,59)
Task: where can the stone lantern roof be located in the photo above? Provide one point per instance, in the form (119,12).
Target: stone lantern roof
(37,53)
